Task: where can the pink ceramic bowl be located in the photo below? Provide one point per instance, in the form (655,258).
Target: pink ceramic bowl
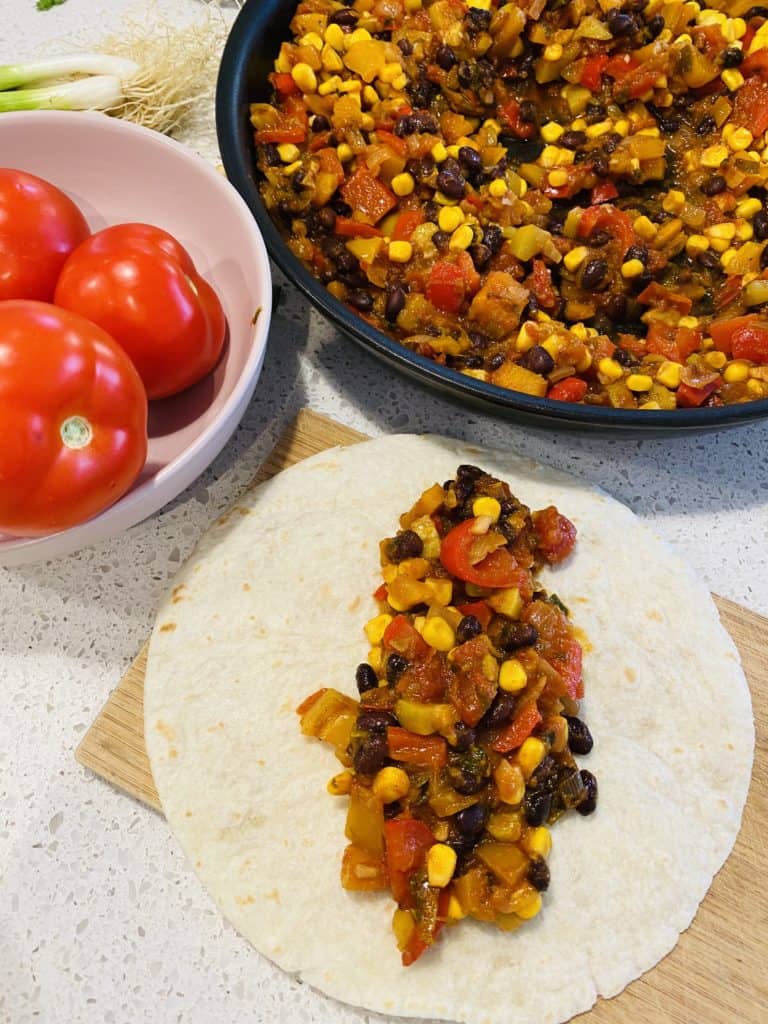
(117,172)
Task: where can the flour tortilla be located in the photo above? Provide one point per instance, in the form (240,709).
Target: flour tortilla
(271,607)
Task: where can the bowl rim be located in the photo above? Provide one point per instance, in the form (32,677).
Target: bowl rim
(152,494)
(235,147)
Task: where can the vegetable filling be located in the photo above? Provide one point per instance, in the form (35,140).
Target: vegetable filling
(459,752)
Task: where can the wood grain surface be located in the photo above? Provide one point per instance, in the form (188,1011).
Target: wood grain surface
(717,973)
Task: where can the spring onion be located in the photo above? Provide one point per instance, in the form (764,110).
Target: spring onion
(14,75)
(97,92)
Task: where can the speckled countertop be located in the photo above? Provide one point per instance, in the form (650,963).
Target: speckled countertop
(100,919)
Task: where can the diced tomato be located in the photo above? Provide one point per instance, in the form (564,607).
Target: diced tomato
(284,83)
(592,72)
(329,162)
(406,841)
(603,193)
(675,343)
(406,224)
(568,662)
(291,126)
(722,331)
(350,228)
(498,569)
(481,611)
(519,729)
(380,593)
(660,297)
(751,342)
(540,281)
(397,145)
(556,534)
(757,61)
(367,195)
(620,66)
(689,397)
(400,636)
(470,690)
(510,112)
(572,389)
(447,286)
(608,218)
(416,943)
(728,291)
(425,680)
(639,81)
(750,108)
(410,748)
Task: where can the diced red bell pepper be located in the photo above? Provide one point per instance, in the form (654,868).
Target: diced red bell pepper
(519,729)
(658,296)
(592,72)
(722,331)
(410,748)
(380,593)
(292,124)
(497,569)
(751,342)
(750,108)
(406,224)
(620,66)
(447,286)
(754,62)
(556,534)
(603,193)
(689,397)
(367,195)
(510,112)
(675,343)
(400,636)
(397,145)
(540,281)
(608,218)
(639,81)
(481,611)
(572,389)
(349,228)
(284,83)
(406,842)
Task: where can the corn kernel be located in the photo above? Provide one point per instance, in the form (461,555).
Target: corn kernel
(538,842)
(344,152)
(288,152)
(449,218)
(292,168)
(549,156)
(486,506)
(358,36)
(669,231)
(312,39)
(510,782)
(438,634)
(340,784)
(557,178)
(574,259)
(552,344)
(725,230)
(505,826)
(645,228)
(530,755)
(334,36)
(740,139)
(736,29)
(649,405)
(462,237)
(622,127)
(439,153)
(530,907)
(713,156)
(412,6)
(566,156)
(376,658)
(553,52)
(390,784)
(744,232)
(369,96)
(352,85)
(331,60)
(594,131)
(716,360)
(403,184)
(441,863)
(367,123)
(304,77)
(732,79)
(652,133)
(507,602)
(400,82)
(728,257)
(455,910)
(696,244)
(400,252)
(331,85)
(443,200)
(610,368)
(376,627)
(442,591)
(639,382)
(512,676)
(497,188)
(668,374)
(674,201)
(736,372)
(526,338)
(632,268)
(390,72)
(552,131)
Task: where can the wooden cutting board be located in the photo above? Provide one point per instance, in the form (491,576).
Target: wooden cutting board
(717,972)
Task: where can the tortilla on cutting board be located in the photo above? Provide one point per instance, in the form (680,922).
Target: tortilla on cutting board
(271,607)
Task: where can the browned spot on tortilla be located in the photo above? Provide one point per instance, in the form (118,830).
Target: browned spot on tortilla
(654,614)
(354,605)
(244,901)
(273,895)
(581,600)
(223,520)
(168,627)
(630,674)
(260,762)
(187,814)
(165,730)
(177,594)
(729,746)
(198,863)
(215,728)
(243,511)
(173,753)
(246,586)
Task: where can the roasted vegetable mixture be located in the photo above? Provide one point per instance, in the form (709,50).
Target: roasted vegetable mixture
(564,199)
(459,752)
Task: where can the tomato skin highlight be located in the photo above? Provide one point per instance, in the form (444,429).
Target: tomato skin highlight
(140,285)
(63,373)
(39,228)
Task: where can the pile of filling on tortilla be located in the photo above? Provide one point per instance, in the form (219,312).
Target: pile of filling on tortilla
(459,752)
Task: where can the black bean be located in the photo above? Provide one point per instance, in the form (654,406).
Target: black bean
(361,300)
(732,57)
(529,112)
(340,207)
(714,185)
(760,225)
(326,218)
(285,210)
(764,258)
(669,123)
(572,139)
(594,112)
(620,24)
(538,874)
(708,259)
(375,720)
(365,678)
(394,304)
(706,125)
(493,238)
(545,776)
(396,665)
(469,362)
(599,238)
(589,803)
(465,736)
(479,18)
(515,635)
(468,628)
(406,544)
(471,821)
(470,159)
(593,275)
(622,356)
(656,25)
(538,360)
(481,256)
(616,307)
(431,210)
(465,74)
(537,804)
(270,154)
(320,123)
(450,180)
(441,240)
(344,17)
(478,339)
(371,755)
(601,164)
(404,126)
(466,471)
(445,58)
(637,252)
(579,737)
(347,264)
(756,12)
(424,122)
(500,711)
(405,46)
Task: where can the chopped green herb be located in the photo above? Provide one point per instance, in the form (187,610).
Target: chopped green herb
(46,5)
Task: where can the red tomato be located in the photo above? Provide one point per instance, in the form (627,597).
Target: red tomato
(751,342)
(141,286)
(73,416)
(518,730)
(39,228)
(406,841)
(572,389)
(723,332)
(498,569)
(556,535)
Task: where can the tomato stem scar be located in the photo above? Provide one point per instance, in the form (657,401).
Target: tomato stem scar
(76,432)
